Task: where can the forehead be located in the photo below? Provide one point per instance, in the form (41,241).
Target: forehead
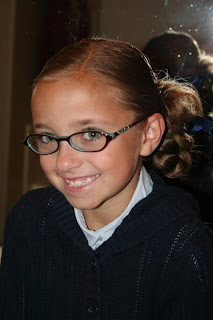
(78,102)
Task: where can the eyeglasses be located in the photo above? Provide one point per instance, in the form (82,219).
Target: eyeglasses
(86,141)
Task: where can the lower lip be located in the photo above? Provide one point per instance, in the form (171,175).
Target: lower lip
(82,188)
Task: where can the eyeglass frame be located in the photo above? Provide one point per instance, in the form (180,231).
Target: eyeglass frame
(109,137)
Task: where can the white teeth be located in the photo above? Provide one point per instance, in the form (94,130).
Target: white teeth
(78,183)
(81,182)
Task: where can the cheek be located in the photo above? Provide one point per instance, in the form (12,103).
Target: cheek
(46,163)
(128,149)
(118,158)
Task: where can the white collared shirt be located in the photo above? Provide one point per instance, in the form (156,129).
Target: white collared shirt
(96,238)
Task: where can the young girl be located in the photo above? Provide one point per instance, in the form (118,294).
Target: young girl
(108,239)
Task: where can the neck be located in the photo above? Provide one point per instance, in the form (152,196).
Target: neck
(100,217)
(111,209)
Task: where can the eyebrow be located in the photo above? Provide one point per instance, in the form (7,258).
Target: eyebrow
(85,122)
(41,126)
(76,123)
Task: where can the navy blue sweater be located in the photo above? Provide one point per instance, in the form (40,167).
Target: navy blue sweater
(158,264)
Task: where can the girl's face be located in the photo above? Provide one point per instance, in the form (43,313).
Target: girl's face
(97,181)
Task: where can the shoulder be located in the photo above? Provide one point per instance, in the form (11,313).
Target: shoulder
(172,216)
(172,197)
(39,207)
(30,206)
(177,211)
(33,199)
(25,219)
(185,245)
(186,241)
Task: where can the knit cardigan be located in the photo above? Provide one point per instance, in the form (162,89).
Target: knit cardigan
(157,265)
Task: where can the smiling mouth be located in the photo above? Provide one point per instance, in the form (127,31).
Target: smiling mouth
(77,183)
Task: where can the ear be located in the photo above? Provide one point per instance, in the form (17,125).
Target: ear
(152,134)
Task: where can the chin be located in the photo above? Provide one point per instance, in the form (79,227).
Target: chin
(81,205)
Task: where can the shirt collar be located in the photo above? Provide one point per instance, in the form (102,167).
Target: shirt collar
(96,238)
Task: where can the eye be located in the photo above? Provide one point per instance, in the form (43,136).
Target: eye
(91,135)
(46,139)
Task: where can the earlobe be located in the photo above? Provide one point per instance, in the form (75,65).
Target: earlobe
(152,134)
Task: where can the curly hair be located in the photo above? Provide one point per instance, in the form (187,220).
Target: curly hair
(181,105)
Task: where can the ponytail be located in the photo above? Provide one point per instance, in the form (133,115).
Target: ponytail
(181,104)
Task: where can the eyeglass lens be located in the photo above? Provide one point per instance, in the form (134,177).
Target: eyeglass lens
(88,141)
(42,144)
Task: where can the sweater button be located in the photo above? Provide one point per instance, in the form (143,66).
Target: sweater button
(93,264)
(92,309)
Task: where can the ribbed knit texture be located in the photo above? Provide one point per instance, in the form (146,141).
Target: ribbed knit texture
(158,265)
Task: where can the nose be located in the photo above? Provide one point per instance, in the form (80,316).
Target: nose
(68,158)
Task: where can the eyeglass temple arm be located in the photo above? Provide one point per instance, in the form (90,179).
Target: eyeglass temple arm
(126,128)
